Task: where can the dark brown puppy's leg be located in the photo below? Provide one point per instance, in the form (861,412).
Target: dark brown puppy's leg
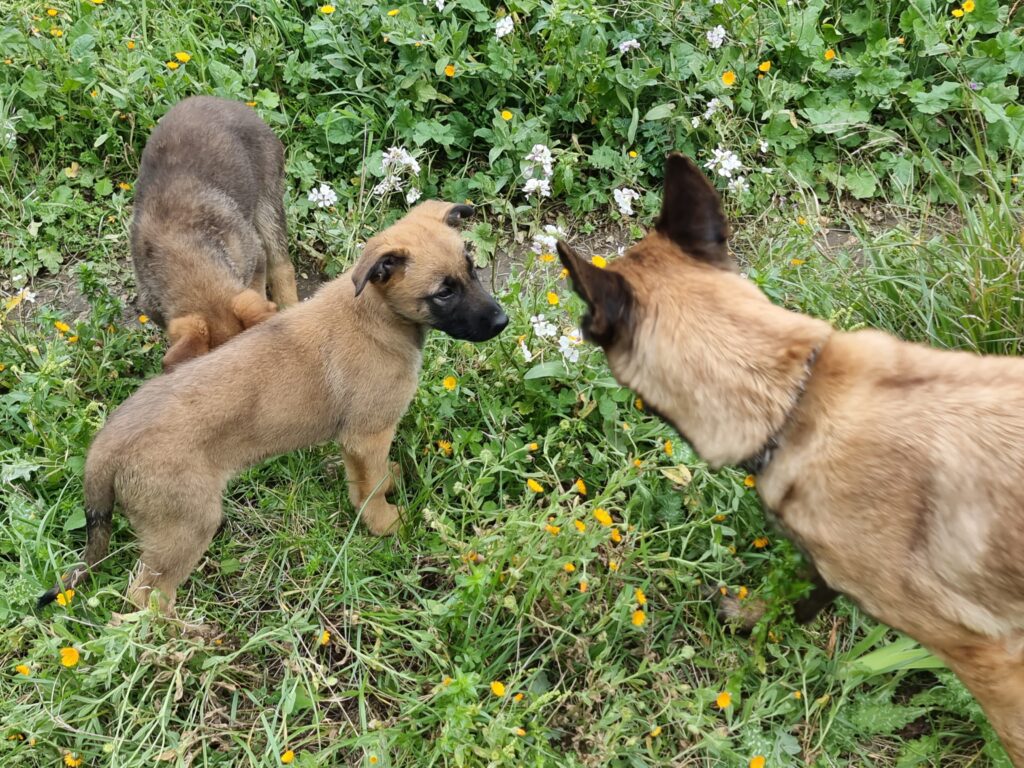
(995,675)
(280,273)
(369,479)
(821,595)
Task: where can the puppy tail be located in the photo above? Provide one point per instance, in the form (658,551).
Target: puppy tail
(99,509)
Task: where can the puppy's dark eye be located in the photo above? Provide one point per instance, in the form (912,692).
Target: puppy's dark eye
(446,292)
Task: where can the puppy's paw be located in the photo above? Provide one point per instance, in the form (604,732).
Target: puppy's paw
(380,517)
(394,472)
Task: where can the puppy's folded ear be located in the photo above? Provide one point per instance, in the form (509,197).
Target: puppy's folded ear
(607,294)
(452,214)
(377,268)
(250,308)
(691,213)
(189,337)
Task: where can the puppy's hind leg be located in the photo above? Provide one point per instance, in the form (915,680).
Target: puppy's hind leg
(273,233)
(172,546)
(369,478)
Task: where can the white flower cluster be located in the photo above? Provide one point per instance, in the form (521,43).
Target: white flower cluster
(629,45)
(546,241)
(716,36)
(539,155)
(713,106)
(738,184)
(503,26)
(322,196)
(542,328)
(569,346)
(624,197)
(397,161)
(724,162)
(439,4)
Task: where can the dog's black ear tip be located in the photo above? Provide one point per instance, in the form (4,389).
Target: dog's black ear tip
(459,213)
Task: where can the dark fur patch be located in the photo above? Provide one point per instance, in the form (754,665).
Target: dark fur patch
(821,595)
(904,382)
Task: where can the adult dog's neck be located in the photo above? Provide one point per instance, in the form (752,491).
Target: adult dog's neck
(716,359)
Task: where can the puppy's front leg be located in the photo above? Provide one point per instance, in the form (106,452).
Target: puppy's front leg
(369,478)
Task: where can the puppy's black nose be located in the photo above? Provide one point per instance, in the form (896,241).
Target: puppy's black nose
(498,322)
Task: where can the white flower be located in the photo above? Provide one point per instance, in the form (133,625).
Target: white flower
(724,162)
(695,122)
(546,241)
(439,4)
(388,184)
(540,186)
(739,184)
(716,36)
(629,45)
(713,106)
(322,197)
(503,27)
(541,327)
(620,250)
(27,295)
(399,157)
(567,346)
(540,155)
(527,354)
(624,198)
(763,146)
(412,195)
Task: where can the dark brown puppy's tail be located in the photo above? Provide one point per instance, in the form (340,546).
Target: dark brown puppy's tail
(99,508)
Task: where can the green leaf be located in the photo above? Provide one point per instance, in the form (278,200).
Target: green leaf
(940,98)
(553,369)
(660,112)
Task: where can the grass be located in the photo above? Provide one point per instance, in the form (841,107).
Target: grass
(335,648)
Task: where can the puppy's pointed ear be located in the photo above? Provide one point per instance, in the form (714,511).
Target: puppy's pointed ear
(189,337)
(374,268)
(691,213)
(250,308)
(451,214)
(607,294)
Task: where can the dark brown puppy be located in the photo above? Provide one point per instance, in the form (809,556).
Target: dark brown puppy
(898,469)
(209,227)
(343,365)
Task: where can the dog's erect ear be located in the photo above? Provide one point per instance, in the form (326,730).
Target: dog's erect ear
(607,294)
(691,213)
(377,269)
(250,308)
(189,336)
(458,214)
(451,214)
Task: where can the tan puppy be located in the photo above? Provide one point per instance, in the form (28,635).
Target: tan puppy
(209,225)
(898,469)
(343,365)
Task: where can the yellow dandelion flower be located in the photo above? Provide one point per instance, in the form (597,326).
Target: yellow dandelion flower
(98,2)
(797,695)
(728,78)
(447,681)
(326,10)
(445,447)
(143,319)
(957,12)
(968,6)
(498,688)
(719,518)
(172,65)
(580,525)
(183,56)
(552,529)
(761,542)
(749,481)
(534,486)
(506,115)
(533,447)
(72,760)
(124,186)
(373,759)
(584,585)
(325,637)
(518,697)
(449,71)
(615,536)
(603,517)
(830,54)
(61,326)
(613,565)
(56,32)
(655,731)
(599,261)
(393,12)
(742,592)
(901,40)
(552,298)
(641,598)
(757,761)
(639,617)
(563,274)
(69,656)
(637,463)
(287,756)
(797,262)
(723,700)
(64,598)
(130,45)
(547,258)
(450,383)
(22,669)
(51,12)
(581,486)
(639,404)
(633,154)
(668,447)
(764,66)
(520,732)
(568,567)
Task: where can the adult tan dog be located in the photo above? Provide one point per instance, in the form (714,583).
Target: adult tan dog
(898,469)
(342,365)
(209,228)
